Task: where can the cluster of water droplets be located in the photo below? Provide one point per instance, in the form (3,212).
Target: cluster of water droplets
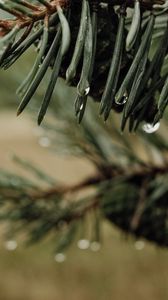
(82,244)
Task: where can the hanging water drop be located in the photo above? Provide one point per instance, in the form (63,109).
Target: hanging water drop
(150,128)
(10,245)
(81,107)
(123,100)
(83,244)
(60,257)
(87,90)
(139,245)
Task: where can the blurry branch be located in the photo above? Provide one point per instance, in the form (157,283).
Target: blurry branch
(92,181)
(130,192)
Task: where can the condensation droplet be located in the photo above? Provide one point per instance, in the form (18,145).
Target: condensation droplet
(150,128)
(95,246)
(44,142)
(10,245)
(139,245)
(60,257)
(83,244)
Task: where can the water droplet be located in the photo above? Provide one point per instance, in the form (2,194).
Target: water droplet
(60,257)
(10,245)
(83,244)
(81,107)
(44,142)
(95,246)
(87,90)
(150,128)
(139,245)
(123,100)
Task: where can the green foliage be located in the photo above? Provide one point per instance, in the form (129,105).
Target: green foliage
(126,189)
(125,68)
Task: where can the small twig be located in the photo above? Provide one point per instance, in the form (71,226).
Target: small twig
(140,207)
(38,14)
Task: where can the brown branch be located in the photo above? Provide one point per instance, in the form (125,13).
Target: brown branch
(140,207)
(96,179)
(23,21)
(39,12)
(82,212)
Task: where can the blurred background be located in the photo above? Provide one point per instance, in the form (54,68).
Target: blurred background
(122,268)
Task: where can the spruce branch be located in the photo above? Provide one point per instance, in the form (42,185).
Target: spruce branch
(126,190)
(82,29)
(57,205)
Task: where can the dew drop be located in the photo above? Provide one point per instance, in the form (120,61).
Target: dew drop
(44,142)
(150,128)
(83,244)
(95,246)
(10,245)
(139,245)
(60,257)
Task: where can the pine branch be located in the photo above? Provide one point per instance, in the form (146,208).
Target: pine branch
(55,206)
(84,56)
(110,173)
(26,18)
(132,195)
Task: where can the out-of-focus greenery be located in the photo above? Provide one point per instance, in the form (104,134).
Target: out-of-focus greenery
(10,80)
(119,271)
(113,156)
